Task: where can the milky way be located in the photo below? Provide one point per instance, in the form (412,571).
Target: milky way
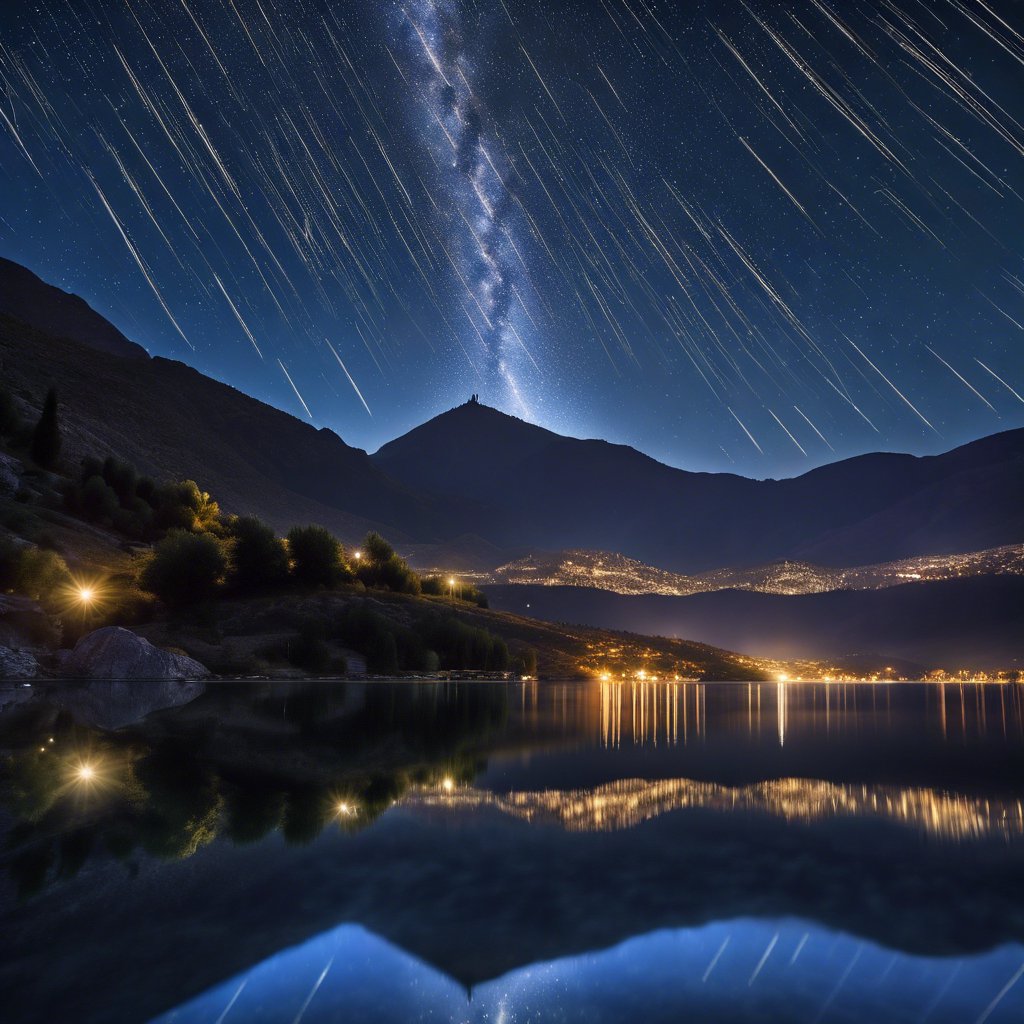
(748,236)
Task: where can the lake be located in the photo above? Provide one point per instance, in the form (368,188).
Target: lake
(512,852)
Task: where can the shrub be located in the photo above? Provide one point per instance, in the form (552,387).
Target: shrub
(46,440)
(97,500)
(41,574)
(183,506)
(258,558)
(316,556)
(186,568)
(122,479)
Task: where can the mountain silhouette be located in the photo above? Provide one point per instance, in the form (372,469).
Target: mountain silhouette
(475,485)
(28,298)
(549,492)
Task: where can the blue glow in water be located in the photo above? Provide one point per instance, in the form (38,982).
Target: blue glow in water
(738,971)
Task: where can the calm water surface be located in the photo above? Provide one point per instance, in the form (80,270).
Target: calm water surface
(512,852)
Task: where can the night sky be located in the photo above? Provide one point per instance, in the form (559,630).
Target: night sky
(738,236)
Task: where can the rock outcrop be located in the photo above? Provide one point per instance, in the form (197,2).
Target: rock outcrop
(17,664)
(117,653)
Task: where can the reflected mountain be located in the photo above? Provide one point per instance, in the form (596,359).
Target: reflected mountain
(787,970)
(482,828)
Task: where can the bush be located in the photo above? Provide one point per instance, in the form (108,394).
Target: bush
(183,506)
(316,556)
(258,558)
(46,440)
(96,500)
(41,574)
(185,569)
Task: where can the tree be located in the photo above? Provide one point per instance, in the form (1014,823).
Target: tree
(377,549)
(186,568)
(258,558)
(46,440)
(384,569)
(316,556)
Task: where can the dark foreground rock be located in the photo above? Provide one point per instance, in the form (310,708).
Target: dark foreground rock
(17,664)
(115,703)
(117,653)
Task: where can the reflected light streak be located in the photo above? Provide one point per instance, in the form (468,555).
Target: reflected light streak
(626,803)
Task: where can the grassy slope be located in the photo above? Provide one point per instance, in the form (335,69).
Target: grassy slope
(230,637)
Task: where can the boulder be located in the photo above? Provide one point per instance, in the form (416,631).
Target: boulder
(17,664)
(115,703)
(117,653)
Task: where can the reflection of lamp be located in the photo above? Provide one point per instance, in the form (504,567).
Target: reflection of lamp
(85,773)
(448,784)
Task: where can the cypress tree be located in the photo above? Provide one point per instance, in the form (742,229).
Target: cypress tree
(46,436)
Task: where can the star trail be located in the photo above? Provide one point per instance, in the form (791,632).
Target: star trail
(741,236)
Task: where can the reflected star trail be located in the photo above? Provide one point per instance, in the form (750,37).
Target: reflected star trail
(742,236)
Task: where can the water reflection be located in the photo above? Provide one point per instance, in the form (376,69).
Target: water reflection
(677,712)
(733,971)
(628,802)
(482,828)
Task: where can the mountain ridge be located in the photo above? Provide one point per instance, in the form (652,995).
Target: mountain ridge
(475,483)
(548,491)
